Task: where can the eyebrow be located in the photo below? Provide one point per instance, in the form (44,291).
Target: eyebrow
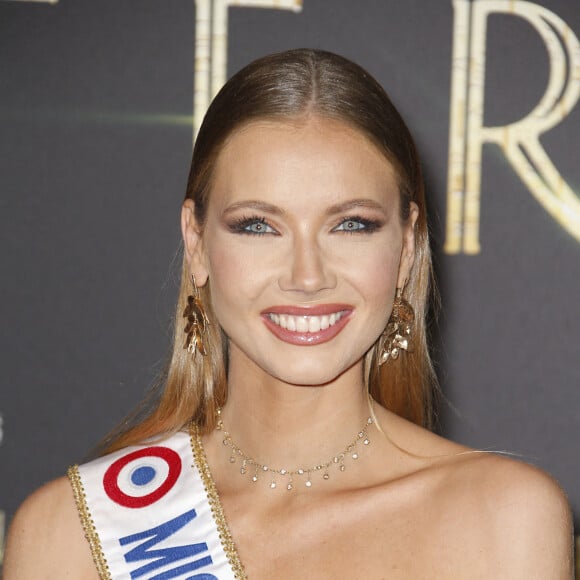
(353,204)
(275,210)
(257,205)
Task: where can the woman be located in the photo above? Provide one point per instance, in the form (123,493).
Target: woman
(298,408)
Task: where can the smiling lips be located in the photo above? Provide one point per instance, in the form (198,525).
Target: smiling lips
(307,325)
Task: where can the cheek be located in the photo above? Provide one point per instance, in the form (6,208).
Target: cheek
(375,276)
(223,264)
(233,275)
(378,266)
(224,274)
(382,298)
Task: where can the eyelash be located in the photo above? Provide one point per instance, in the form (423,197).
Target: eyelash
(242,225)
(369,226)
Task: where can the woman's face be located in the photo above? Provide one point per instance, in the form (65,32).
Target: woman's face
(303,246)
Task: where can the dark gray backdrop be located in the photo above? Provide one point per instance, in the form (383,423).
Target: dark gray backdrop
(95,141)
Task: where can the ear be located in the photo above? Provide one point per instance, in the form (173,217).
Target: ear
(193,243)
(408,249)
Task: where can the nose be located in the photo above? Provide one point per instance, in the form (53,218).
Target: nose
(307,269)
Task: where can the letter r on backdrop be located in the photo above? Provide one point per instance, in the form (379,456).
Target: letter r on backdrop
(519,141)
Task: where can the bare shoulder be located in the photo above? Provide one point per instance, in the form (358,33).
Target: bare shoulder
(514,513)
(531,515)
(509,483)
(46,539)
(499,516)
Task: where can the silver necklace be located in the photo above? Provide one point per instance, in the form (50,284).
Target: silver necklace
(257,470)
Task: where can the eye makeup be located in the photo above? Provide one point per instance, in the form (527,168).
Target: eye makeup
(356,224)
(258,225)
(251,225)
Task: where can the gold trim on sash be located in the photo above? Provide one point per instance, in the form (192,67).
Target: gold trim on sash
(215,504)
(88,525)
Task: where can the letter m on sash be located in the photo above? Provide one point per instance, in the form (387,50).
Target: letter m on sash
(163,557)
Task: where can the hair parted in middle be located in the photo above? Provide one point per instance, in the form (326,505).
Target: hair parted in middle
(296,85)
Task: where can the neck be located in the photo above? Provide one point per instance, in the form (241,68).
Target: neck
(290,426)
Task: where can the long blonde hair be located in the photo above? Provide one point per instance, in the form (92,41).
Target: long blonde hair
(290,85)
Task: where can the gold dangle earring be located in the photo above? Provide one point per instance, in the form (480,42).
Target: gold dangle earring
(197,323)
(398,334)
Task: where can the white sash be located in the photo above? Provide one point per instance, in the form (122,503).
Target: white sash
(151,512)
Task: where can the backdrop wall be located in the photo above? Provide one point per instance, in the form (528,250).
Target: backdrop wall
(97,104)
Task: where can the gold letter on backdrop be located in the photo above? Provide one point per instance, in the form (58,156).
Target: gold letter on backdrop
(211,46)
(519,141)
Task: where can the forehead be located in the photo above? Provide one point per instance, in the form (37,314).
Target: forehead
(314,157)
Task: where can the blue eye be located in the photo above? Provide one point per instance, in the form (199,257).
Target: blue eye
(350,226)
(258,227)
(357,225)
(255,226)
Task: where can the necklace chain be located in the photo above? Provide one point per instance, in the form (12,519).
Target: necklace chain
(257,470)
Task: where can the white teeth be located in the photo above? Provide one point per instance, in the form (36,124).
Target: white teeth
(305,323)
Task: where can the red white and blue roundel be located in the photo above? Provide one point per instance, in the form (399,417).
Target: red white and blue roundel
(142,477)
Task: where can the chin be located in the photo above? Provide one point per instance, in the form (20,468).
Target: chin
(305,375)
